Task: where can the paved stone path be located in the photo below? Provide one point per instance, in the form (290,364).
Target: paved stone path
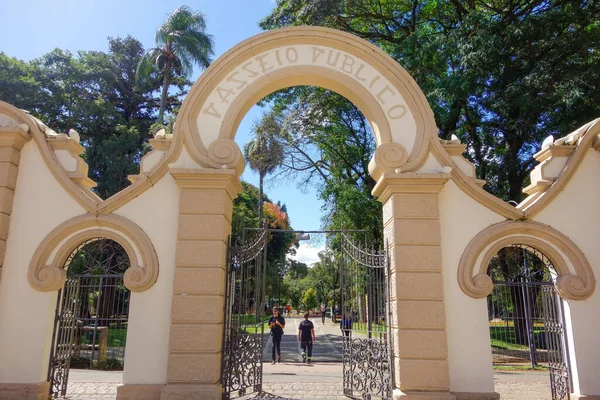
(326,348)
(291,380)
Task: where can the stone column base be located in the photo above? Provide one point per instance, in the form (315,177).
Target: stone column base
(400,395)
(192,392)
(24,391)
(139,392)
(476,396)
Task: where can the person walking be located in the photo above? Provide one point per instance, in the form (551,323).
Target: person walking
(306,337)
(346,325)
(276,324)
(323,312)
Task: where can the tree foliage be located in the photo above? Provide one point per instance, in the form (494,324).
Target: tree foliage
(181,43)
(501,75)
(263,153)
(94,93)
(309,299)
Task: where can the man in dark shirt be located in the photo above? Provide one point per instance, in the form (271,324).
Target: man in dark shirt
(276,324)
(306,337)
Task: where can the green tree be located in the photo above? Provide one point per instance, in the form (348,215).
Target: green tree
(181,42)
(327,144)
(94,93)
(310,300)
(263,153)
(294,290)
(501,75)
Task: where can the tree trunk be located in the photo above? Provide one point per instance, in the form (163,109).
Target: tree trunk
(260,200)
(164,94)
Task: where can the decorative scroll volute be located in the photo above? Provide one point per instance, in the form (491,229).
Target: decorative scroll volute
(388,157)
(47,279)
(572,287)
(227,154)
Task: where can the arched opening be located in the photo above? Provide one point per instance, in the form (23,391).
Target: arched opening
(345,289)
(92,312)
(527,322)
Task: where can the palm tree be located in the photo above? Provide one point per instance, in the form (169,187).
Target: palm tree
(264,153)
(181,42)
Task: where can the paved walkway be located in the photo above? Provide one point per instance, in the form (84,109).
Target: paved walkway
(326,348)
(291,380)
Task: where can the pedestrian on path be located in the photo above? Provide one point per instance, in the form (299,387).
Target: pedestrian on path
(323,312)
(306,337)
(346,325)
(276,324)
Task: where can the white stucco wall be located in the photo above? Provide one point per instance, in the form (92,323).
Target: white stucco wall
(26,316)
(575,213)
(467,325)
(156,212)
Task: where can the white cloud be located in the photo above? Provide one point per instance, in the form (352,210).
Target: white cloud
(307,254)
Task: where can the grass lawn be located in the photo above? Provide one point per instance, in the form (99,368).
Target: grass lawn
(248,322)
(116,337)
(503,336)
(520,368)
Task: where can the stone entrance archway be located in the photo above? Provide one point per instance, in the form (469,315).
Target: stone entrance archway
(208,170)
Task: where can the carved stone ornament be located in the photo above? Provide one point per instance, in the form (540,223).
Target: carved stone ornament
(560,250)
(47,273)
(388,157)
(227,154)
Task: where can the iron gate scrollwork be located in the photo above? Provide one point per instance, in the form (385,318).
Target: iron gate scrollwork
(526,315)
(65,324)
(366,322)
(244,318)
(555,338)
(91,314)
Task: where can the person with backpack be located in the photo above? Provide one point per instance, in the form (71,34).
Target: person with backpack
(276,324)
(306,337)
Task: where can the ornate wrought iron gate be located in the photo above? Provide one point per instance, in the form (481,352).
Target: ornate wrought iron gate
(65,324)
(91,315)
(526,315)
(366,327)
(244,318)
(555,339)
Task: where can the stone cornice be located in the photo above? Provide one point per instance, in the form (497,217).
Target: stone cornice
(391,183)
(455,149)
(554,151)
(162,144)
(67,144)
(225,179)
(13,137)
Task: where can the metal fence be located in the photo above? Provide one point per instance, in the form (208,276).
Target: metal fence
(102,322)
(516,316)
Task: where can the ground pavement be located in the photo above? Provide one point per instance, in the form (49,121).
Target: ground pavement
(326,348)
(291,380)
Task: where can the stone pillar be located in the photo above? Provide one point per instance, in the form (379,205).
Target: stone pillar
(412,231)
(205,208)
(12,140)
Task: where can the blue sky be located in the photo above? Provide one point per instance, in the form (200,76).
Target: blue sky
(42,25)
